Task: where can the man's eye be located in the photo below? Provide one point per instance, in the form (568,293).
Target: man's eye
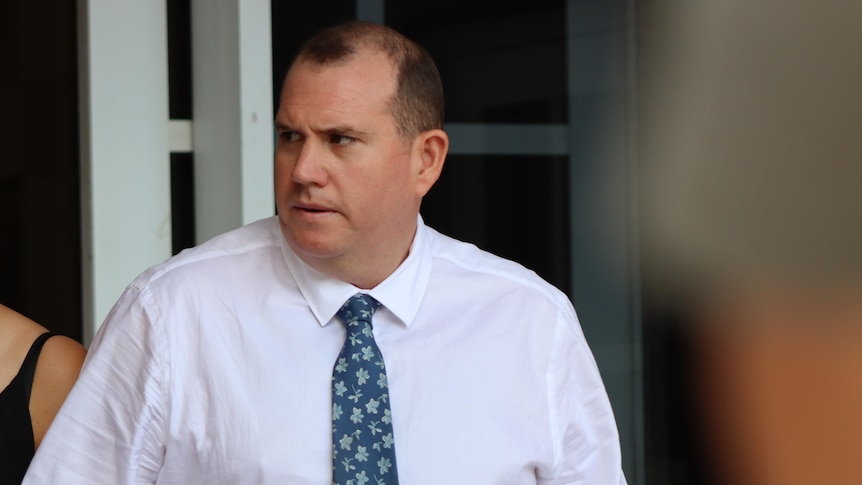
(340,140)
(289,136)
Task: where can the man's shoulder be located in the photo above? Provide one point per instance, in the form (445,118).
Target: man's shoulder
(466,262)
(228,251)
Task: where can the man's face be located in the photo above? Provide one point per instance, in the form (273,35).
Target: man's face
(345,181)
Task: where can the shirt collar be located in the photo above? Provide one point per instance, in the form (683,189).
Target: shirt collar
(401,292)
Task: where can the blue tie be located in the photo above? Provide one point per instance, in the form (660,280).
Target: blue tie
(363,447)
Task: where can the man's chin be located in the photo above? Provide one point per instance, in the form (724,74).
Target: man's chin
(311,246)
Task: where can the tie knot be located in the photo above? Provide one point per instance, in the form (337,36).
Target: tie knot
(359,308)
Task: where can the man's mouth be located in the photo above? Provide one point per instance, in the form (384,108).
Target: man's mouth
(313,209)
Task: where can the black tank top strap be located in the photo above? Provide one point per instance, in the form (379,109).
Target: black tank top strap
(28,368)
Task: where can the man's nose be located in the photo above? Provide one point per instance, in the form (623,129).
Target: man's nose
(309,168)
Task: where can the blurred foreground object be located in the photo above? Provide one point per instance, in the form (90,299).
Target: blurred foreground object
(753,209)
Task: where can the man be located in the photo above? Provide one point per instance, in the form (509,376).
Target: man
(222,365)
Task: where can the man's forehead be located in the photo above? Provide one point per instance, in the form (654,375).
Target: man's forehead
(338,111)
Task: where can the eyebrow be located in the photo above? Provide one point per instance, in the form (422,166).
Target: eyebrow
(343,130)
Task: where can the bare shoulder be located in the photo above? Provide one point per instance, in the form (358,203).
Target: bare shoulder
(56,372)
(56,369)
(60,360)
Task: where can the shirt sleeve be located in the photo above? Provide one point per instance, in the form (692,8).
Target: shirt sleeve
(111,427)
(584,430)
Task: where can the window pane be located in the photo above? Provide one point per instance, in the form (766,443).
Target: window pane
(501,61)
(514,206)
(293,23)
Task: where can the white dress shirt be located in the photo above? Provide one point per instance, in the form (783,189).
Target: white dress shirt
(215,367)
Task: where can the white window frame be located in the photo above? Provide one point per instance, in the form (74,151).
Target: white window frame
(126,136)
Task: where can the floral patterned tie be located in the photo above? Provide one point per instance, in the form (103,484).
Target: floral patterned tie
(363,449)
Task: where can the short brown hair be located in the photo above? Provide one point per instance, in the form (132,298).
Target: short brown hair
(417,105)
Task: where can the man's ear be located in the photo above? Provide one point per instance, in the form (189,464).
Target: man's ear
(429,149)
